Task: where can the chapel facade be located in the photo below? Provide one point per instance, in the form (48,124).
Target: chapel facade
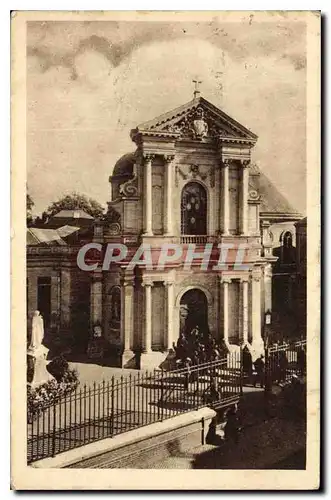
(190,181)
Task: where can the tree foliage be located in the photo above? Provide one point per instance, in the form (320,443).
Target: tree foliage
(29,207)
(76,201)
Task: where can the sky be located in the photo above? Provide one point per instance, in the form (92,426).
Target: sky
(90,83)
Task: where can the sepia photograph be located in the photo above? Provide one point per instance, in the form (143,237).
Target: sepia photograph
(167,221)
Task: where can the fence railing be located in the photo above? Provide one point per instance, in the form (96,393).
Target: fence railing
(284,361)
(200,238)
(104,410)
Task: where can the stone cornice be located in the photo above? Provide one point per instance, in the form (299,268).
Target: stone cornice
(237,140)
(273,217)
(138,136)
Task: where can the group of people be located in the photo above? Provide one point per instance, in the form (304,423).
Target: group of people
(255,372)
(197,347)
(278,366)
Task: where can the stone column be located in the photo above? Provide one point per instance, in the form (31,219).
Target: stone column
(244,197)
(244,288)
(225,285)
(96,298)
(267,288)
(128,297)
(256,310)
(168,201)
(127,323)
(148,195)
(148,316)
(266,242)
(225,198)
(169,327)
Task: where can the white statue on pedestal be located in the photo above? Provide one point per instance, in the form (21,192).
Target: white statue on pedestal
(37,335)
(38,351)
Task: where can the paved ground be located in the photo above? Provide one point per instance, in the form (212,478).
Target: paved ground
(266,441)
(90,372)
(274,444)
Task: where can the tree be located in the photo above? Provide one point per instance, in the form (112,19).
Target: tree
(29,206)
(76,201)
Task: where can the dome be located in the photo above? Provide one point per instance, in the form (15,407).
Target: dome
(124,166)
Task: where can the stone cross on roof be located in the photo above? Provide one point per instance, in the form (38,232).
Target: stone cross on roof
(196,90)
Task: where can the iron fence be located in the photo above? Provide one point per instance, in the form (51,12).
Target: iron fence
(110,408)
(284,361)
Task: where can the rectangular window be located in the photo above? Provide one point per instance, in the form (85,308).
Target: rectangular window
(44,298)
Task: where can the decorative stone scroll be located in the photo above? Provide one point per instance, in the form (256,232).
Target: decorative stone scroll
(113,218)
(130,187)
(114,229)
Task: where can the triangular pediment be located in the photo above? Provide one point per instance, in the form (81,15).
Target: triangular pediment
(198,119)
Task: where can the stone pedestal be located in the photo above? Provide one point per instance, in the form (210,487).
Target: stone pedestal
(152,359)
(40,373)
(128,359)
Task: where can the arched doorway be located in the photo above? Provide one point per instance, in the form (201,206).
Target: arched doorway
(288,251)
(194,209)
(193,312)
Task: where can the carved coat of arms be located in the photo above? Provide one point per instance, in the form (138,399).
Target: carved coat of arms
(200,126)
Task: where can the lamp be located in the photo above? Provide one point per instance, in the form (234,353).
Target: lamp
(267,322)
(267,317)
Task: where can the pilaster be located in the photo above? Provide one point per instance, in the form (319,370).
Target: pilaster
(148,209)
(96,298)
(127,289)
(147,285)
(225,212)
(244,196)
(168,196)
(257,341)
(225,281)
(245,310)
(55,301)
(169,327)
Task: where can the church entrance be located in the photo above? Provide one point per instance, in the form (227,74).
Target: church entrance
(194,312)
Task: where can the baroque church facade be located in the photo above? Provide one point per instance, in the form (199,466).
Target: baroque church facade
(190,181)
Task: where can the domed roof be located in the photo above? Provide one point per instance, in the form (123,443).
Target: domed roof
(124,166)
